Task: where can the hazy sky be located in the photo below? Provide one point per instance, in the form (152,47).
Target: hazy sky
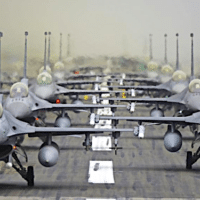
(100,27)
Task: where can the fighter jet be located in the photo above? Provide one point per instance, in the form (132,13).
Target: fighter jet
(60,74)
(25,105)
(175,85)
(189,117)
(184,102)
(11,128)
(47,89)
(166,72)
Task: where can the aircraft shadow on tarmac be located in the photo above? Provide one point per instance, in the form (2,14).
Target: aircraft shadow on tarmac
(158,168)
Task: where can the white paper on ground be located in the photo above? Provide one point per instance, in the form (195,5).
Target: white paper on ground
(101,143)
(101,172)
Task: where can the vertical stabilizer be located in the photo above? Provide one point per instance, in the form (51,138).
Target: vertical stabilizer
(1,35)
(45,49)
(60,58)
(25,55)
(165,60)
(150,47)
(68,45)
(49,50)
(177,52)
(192,58)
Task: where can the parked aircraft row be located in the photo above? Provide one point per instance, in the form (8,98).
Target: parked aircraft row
(24,110)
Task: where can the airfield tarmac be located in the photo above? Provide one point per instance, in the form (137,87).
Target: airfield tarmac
(142,169)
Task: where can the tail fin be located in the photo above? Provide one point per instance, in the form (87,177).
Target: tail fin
(150,47)
(177,53)
(49,51)
(1,35)
(60,58)
(25,56)
(192,58)
(165,60)
(45,49)
(68,45)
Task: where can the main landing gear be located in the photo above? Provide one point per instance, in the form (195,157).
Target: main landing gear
(26,174)
(191,159)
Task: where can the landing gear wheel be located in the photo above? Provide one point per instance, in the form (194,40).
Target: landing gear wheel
(189,160)
(30,176)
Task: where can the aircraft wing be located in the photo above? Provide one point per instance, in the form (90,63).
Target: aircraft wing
(78,82)
(192,119)
(75,106)
(140,74)
(4,91)
(139,80)
(7,82)
(18,127)
(144,100)
(42,131)
(83,92)
(85,76)
(142,87)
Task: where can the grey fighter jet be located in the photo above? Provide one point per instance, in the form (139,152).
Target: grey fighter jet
(25,105)
(11,128)
(47,89)
(172,137)
(166,72)
(175,85)
(185,102)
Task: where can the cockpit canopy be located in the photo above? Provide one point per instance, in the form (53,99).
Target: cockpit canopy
(44,78)
(1,110)
(59,66)
(19,89)
(152,66)
(179,76)
(194,85)
(47,68)
(167,69)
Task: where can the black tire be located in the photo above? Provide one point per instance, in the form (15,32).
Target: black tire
(189,160)
(30,176)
